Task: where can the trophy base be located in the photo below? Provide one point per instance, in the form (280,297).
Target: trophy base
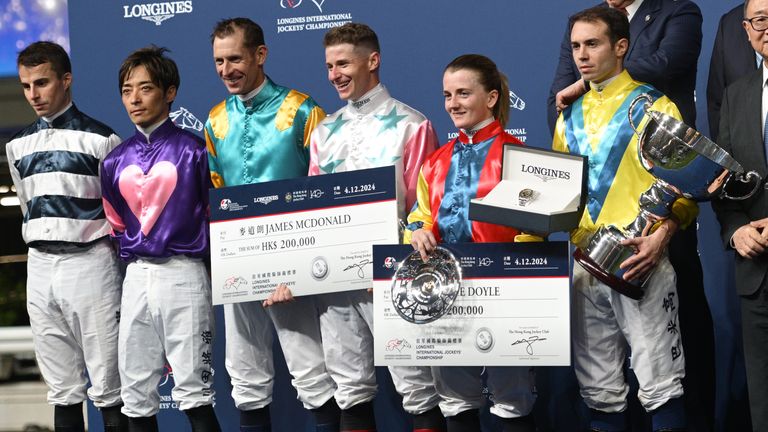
(616,283)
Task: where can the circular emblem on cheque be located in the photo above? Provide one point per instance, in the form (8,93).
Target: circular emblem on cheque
(424,291)
(484,340)
(319,268)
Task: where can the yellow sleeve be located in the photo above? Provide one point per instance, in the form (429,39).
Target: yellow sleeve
(558,140)
(421,214)
(216,178)
(684,209)
(315,117)
(528,238)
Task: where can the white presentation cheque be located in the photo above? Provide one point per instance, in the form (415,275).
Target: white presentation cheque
(313,234)
(512,309)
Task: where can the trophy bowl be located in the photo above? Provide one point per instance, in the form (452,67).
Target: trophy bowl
(685,163)
(422,291)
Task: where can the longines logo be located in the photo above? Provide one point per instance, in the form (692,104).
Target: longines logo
(266,199)
(546,174)
(157,12)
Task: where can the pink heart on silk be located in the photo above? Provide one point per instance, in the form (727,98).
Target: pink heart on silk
(147,194)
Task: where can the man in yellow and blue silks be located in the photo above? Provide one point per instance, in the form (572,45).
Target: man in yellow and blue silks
(606,322)
(261,133)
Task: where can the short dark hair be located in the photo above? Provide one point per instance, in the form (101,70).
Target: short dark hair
(617,22)
(356,34)
(41,52)
(253,35)
(490,77)
(162,70)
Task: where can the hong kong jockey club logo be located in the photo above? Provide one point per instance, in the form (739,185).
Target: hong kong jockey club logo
(293,4)
(157,12)
(389,262)
(224,204)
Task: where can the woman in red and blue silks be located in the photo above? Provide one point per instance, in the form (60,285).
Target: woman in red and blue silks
(468,167)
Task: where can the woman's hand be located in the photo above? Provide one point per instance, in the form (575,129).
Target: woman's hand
(424,242)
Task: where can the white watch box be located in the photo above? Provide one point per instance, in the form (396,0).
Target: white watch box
(558,185)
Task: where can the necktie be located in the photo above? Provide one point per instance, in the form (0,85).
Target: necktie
(623,10)
(765,138)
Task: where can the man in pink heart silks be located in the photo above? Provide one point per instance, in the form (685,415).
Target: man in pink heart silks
(155,189)
(73,277)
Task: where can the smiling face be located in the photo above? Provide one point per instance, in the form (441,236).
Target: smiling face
(145,102)
(46,92)
(240,68)
(466,100)
(593,53)
(353,71)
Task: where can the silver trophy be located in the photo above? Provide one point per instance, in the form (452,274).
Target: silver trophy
(685,163)
(424,291)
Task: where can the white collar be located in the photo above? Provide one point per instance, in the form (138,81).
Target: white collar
(602,85)
(765,73)
(50,119)
(632,9)
(252,94)
(474,129)
(366,103)
(148,130)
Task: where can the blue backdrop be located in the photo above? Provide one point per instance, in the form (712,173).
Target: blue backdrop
(418,39)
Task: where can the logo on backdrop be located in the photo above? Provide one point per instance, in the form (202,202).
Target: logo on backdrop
(186,120)
(157,12)
(319,4)
(293,4)
(290,4)
(310,22)
(518,132)
(515,101)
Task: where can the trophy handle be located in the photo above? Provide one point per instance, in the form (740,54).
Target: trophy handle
(745,178)
(648,103)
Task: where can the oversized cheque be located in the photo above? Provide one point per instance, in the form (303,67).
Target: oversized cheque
(512,309)
(312,233)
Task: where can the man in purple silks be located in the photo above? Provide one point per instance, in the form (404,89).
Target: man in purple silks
(155,189)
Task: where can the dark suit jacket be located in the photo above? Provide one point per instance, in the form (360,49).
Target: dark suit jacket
(732,58)
(741,136)
(665,42)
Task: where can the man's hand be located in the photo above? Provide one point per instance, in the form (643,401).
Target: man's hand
(281,294)
(760,225)
(568,95)
(751,240)
(648,250)
(424,242)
